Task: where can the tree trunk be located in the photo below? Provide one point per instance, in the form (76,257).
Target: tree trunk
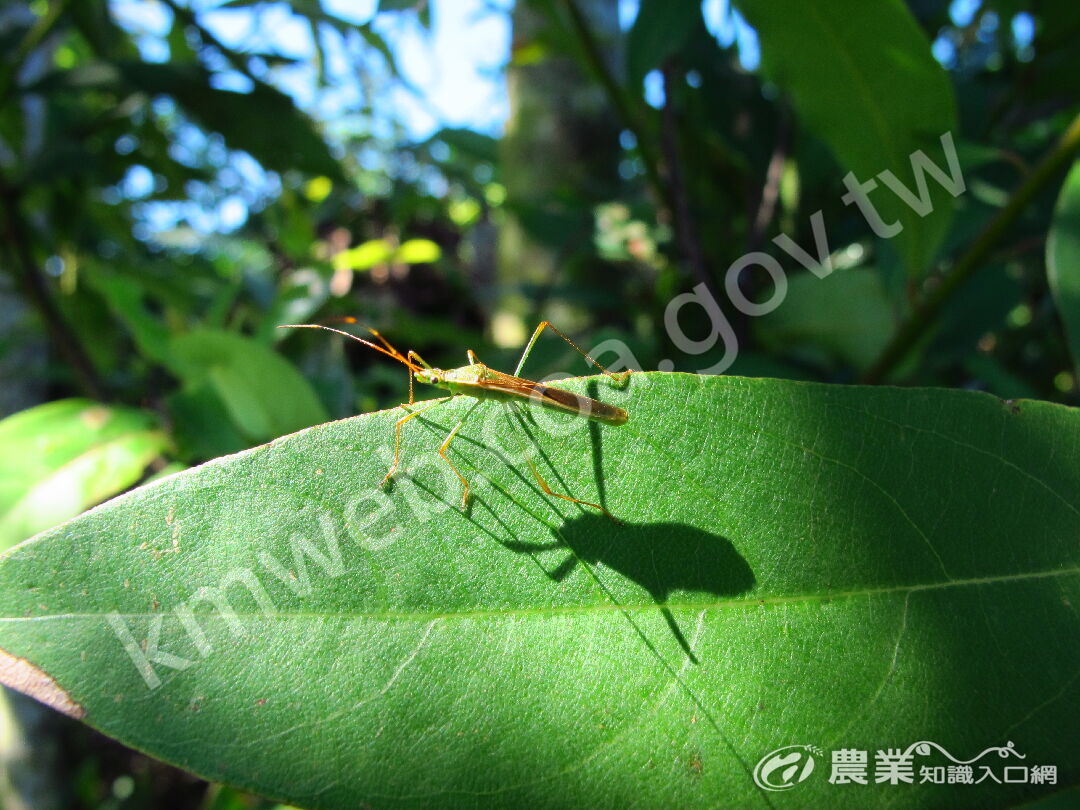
(559,156)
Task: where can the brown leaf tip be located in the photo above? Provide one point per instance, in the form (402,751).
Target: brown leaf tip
(21,675)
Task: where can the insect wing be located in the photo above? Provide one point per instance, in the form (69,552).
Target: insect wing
(557,398)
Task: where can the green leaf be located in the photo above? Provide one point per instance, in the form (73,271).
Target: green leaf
(863,79)
(264,395)
(467,143)
(375,40)
(421,7)
(202,426)
(125,297)
(93,20)
(976,309)
(660,30)
(400,5)
(797,564)
(263,122)
(418,251)
(59,459)
(1063,259)
(364,256)
(846,316)
(997,379)
(318,189)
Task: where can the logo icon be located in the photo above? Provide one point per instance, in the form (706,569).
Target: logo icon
(786,767)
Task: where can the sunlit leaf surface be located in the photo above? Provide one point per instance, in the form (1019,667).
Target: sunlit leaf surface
(63,457)
(797,564)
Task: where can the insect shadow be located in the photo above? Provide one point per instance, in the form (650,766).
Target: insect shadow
(662,558)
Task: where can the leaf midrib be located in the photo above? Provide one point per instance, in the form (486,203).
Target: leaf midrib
(563,610)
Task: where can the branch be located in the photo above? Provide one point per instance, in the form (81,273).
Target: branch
(236,60)
(924,314)
(685,228)
(36,288)
(671,195)
(770,192)
(594,60)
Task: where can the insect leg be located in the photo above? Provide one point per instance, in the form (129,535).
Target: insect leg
(397,434)
(445,446)
(416,356)
(544,484)
(549,491)
(411,357)
(547,324)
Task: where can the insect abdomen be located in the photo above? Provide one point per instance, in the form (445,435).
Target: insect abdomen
(575,403)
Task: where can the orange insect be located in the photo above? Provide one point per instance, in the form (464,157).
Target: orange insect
(483,383)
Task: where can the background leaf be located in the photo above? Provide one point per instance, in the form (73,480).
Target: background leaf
(1063,259)
(59,459)
(418,251)
(799,564)
(264,395)
(277,134)
(659,32)
(873,101)
(845,316)
(364,256)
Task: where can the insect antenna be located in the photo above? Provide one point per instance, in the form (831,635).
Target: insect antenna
(387,349)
